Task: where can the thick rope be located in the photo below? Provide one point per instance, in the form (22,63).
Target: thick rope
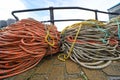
(24,44)
(113,26)
(89,49)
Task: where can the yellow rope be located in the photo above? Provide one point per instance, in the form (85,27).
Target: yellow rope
(72,46)
(48,37)
(90,23)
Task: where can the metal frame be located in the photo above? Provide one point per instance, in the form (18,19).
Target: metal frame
(51,10)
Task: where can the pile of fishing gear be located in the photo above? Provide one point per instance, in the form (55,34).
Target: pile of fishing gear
(89,43)
(24,44)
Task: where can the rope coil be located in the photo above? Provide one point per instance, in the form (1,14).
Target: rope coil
(24,44)
(113,26)
(93,48)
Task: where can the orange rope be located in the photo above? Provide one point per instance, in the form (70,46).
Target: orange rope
(23,45)
(112,41)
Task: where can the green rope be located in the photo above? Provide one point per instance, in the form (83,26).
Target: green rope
(106,34)
(84,77)
(118,28)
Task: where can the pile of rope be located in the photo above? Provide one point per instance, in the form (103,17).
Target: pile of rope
(89,44)
(113,26)
(24,44)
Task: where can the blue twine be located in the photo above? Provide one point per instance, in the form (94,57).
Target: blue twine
(118,28)
(106,34)
(104,41)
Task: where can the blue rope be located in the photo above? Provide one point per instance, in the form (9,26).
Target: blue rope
(104,40)
(118,25)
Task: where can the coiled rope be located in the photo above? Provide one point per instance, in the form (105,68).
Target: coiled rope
(24,44)
(88,43)
(114,27)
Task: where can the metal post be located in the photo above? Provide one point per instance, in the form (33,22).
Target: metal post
(96,16)
(51,15)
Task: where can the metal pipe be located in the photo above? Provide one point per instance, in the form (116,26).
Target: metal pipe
(96,16)
(51,15)
(51,9)
(26,10)
(65,20)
